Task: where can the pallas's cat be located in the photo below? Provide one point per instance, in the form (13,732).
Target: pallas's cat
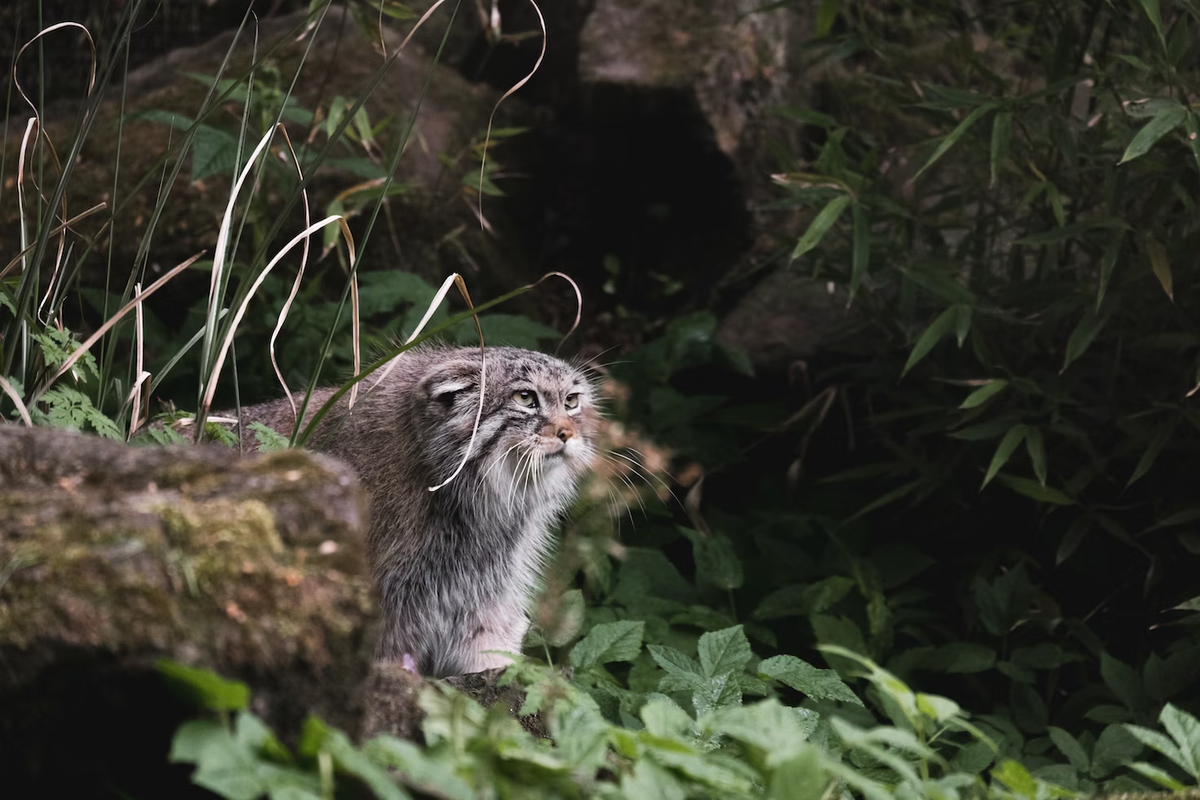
(456,567)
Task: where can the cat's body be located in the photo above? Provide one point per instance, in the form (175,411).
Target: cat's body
(456,567)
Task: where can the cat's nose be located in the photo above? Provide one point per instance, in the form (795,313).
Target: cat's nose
(566,429)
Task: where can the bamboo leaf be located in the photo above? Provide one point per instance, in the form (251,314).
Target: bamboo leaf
(1035,444)
(1001,138)
(821,225)
(1107,263)
(984,393)
(1161,437)
(1033,490)
(955,135)
(1082,337)
(827,12)
(1004,451)
(1151,9)
(1160,262)
(862,248)
(1159,126)
(936,330)
(962,324)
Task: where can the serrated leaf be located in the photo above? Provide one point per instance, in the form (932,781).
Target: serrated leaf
(800,600)
(1070,747)
(1185,730)
(820,225)
(1124,681)
(984,393)
(723,652)
(674,662)
(716,561)
(819,684)
(933,334)
(1159,126)
(1157,742)
(608,642)
(955,135)
(648,779)
(1004,451)
(1115,747)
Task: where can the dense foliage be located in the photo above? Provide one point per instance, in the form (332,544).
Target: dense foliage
(980,489)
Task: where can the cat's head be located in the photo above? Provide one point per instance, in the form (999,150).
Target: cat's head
(537,426)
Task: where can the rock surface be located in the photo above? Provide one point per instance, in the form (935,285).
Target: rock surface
(113,557)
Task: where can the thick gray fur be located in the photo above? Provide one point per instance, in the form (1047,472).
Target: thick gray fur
(456,567)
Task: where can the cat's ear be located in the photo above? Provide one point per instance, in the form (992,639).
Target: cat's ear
(444,382)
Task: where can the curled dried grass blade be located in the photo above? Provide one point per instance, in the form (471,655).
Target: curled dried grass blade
(462,288)
(111,321)
(53,231)
(223,350)
(491,119)
(135,393)
(287,304)
(9,390)
(578,303)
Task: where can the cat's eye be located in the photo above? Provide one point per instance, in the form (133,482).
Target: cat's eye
(572,401)
(525,398)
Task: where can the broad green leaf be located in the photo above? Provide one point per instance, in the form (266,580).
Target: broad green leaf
(861,255)
(1070,747)
(1157,742)
(933,334)
(222,765)
(1082,336)
(1001,138)
(1160,263)
(1004,451)
(1156,445)
(1153,14)
(1016,778)
(513,330)
(955,135)
(820,225)
(1035,491)
(1124,681)
(1107,263)
(801,777)
(1185,730)
(827,12)
(984,393)
(1035,445)
(319,737)
(819,684)
(716,561)
(673,661)
(722,652)
(648,779)
(1159,776)
(800,600)
(609,641)
(1159,126)
(205,688)
(1178,40)
(1115,748)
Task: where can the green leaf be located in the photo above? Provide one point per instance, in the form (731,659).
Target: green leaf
(608,642)
(722,652)
(674,662)
(648,779)
(1160,263)
(800,600)
(716,561)
(820,225)
(268,439)
(819,684)
(962,324)
(1159,126)
(1035,445)
(214,152)
(1185,730)
(1156,445)
(1070,747)
(1153,14)
(1159,776)
(1035,491)
(513,330)
(1107,263)
(984,393)
(204,688)
(955,135)
(1115,747)
(1016,778)
(827,12)
(932,335)
(1082,336)
(1001,138)
(319,737)
(1004,451)
(861,254)
(1158,742)
(1124,681)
